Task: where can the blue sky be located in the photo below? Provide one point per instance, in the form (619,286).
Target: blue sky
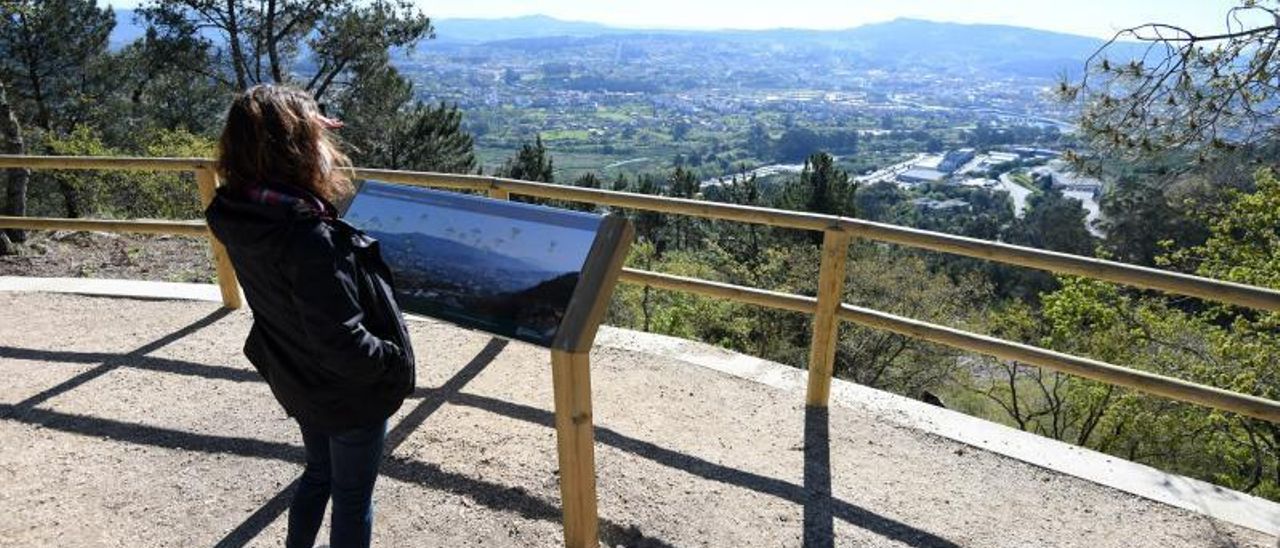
(1099,18)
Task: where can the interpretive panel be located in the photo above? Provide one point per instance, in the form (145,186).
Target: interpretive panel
(503,267)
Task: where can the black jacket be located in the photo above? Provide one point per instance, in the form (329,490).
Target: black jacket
(327,333)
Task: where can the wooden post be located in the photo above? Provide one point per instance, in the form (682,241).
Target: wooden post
(207,180)
(571,379)
(826,322)
(575,441)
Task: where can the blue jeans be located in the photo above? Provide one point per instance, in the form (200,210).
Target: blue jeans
(342,466)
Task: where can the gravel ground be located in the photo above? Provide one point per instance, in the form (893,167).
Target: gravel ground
(103,255)
(139,423)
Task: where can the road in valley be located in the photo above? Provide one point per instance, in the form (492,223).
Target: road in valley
(890,173)
(1017,193)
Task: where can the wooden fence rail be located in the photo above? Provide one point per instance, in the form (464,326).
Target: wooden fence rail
(138,226)
(826,306)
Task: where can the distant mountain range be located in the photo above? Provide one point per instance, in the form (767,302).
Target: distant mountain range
(476,31)
(1016,51)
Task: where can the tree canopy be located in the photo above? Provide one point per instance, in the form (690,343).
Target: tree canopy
(1179,91)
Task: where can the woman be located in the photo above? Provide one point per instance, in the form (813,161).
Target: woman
(327,334)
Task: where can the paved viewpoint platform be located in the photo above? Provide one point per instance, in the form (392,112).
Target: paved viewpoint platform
(127,422)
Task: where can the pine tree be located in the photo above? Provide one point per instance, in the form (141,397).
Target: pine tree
(683,184)
(435,140)
(743,241)
(531,163)
(1200,94)
(649,224)
(51,53)
(386,128)
(759,142)
(48,49)
(620,183)
(821,188)
(265,40)
(586,180)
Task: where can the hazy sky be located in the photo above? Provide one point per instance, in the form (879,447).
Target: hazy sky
(1089,17)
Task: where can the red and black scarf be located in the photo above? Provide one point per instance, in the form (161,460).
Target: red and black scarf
(289,196)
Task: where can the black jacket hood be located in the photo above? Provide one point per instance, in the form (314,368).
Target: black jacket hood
(253,226)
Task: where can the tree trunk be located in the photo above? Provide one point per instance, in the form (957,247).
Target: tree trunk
(324,86)
(70,199)
(31,55)
(273,45)
(238,62)
(16,199)
(644,307)
(16,189)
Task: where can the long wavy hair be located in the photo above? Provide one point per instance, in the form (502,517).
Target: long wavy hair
(274,134)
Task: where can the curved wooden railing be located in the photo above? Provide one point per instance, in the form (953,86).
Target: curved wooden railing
(827,308)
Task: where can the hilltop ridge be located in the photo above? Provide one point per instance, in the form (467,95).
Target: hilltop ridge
(899,42)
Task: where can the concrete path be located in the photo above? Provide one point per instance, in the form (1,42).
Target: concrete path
(130,422)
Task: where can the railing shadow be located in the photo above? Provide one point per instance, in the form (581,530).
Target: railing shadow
(110,362)
(819,515)
(815,495)
(430,476)
(146,363)
(253,525)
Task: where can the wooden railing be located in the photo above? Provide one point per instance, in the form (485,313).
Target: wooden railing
(827,308)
